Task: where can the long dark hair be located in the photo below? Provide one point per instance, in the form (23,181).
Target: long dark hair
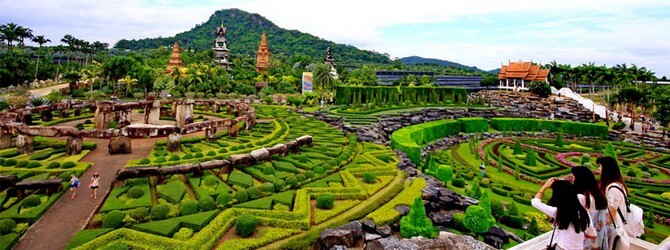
(568,209)
(610,173)
(585,183)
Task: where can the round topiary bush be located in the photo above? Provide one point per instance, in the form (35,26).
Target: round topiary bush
(300,177)
(211,153)
(186,157)
(22,164)
(268,187)
(31,201)
(242,196)
(189,207)
(160,212)
(292,181)
(384,158)
(309,174)
(53,165)
(319,170)
(68,164)
(325,201)
(210,181)
(458,182)
(268,170)
(184,233)
(160,160)
(135,192)
(279,184)
(245,225)
(113,219)
(223,151)
(139,214)
(632,173)
(145,161)
(206,203)
(7,226)
(254,192)
(175,158)
(224,198)
(9,162)
(198,155)
(34,164)
(2,160)
(369,177)
(303,158)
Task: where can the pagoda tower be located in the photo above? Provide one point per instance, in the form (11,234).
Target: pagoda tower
(175,58)
(221,52)
(330,60)
(262,55)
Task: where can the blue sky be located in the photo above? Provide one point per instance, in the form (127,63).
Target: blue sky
(480,33)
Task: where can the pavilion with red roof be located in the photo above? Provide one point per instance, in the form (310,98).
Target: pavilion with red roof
(517,75)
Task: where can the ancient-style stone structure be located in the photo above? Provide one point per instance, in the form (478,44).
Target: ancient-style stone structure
(330,61)
(262,55)
(175,58)
(517,75)
(174,142)
(120,145)
(221,52)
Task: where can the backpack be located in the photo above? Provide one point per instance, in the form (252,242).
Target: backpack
(632,217)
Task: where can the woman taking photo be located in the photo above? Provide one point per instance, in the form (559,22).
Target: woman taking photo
(570,218)
(595,203)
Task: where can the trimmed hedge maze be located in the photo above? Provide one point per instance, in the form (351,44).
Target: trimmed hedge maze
(199,211)
(48,161)
(514,167)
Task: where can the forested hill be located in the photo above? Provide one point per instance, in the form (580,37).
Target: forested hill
(244,34)
(421,60)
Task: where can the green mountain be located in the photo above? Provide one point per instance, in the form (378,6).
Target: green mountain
(427,61)
(244,34)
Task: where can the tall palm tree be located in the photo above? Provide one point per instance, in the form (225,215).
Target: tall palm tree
(127,81)
(24,33)
(41,41)
(323,79)
(10,33)
(70,41)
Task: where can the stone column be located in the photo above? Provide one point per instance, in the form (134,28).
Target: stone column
(229,109)
(27,117)
(47,115)
(210,133)
(174,142)
(77,111)
(234,129)
(124,117)
(153,113)
(5,140)
(64,113)
(25,143)
(180,115)
(100,118)
(74,145)
(215,108)
(120,145)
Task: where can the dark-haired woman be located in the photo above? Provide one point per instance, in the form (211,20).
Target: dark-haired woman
(570,217)
(612,185)
(595,203)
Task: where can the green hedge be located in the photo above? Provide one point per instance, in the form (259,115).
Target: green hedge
(8,240)
(473,124)
(168,227)
(262,203)
(173,191)
(384,94)
(530,124)
(411,139)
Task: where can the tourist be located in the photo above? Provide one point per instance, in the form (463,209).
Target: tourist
(95,184)
(74,184)
(612,185)
(570,218)
(595,203)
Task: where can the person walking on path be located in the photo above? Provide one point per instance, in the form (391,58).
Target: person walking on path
(95,184)
(74,184)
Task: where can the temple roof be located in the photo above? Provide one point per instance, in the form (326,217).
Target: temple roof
(175,57)
(523,70)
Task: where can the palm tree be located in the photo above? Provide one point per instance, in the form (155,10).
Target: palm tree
(127,81)
(10,33)
(323,79)
(23,33)
(41,41)
(70,41)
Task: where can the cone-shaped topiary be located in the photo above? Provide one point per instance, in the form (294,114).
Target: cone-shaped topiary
(517,148)
(559,140)
(416,223)
(531,158)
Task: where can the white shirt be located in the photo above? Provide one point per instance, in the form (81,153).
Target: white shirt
(592,209)
(616,199)
(565,238)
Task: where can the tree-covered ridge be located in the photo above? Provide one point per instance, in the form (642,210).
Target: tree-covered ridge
(411,60)
(244,32)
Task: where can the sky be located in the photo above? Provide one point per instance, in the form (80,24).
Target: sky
(480,33)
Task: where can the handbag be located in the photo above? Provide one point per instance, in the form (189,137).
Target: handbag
(620,239)
(550,246)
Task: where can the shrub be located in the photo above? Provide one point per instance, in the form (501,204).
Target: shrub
(211,153)
(224,198)
(135,192)
(268,187)
(139,214)
(292,181)
(242,196)
(559,140)
(497,209)
(160,160)
(7,226)
(458,182)
(245,225)
(268,170)
(68,164)
(206,203)
(113,219)
(279,184)
(540,88)
(159,212)
(530,158)
(369,177)
(189,207)
(618,126)
(145,161)
(517,148)
(300,177)
(185,157)
(22,164)
(513,210)
(445,173)
(459,221)
(585,158)
(309,174)
(319,170)
(254,193)
(476,219)
(31,201)
(34,164)
(416,223)
(175,157)
(325,201)
(199,155)
(303,158)
(210,181)
(384,158)
(632,173)
(9,162)
(184,233)
(474,191)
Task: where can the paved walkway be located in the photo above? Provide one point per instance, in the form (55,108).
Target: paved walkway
(47,90)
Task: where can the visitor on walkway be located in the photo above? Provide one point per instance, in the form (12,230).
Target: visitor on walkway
(570,218)
(74,184)
(595,203)
(95,184)
(612,185)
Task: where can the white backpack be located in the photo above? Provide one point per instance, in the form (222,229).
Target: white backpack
(632,217)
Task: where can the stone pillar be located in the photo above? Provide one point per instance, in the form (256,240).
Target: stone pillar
(180,115)
(120,145)
(124,117)
(74,145)
(64,113)
(47,115)
(234,129)
(101,117)
(77,112)
(174,142)
(25,144)
(215,108)
(251,119)
(210,133)
(27,117)
(5,140)
(229,109)
(152,114)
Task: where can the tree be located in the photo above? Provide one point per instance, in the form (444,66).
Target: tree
(661,95)
(513,209)
(533,228)
(531,158)
(610,151)
(540,88)
(41,41)
(416,223)
(497,209)
(516,172)
(559,140)
(517,148)
(485,203)
(10,33)
(23,33)
(127,81)
(489,80)
(324,81)
(632,98)
(445,173)
(476,219)
(474,191)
